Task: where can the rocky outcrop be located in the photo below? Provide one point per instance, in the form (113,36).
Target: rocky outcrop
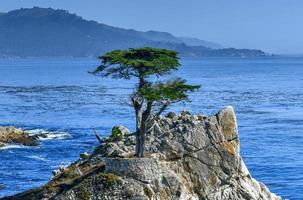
(187,157)
(12,135)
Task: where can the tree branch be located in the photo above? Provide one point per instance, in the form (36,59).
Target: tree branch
(99,138)
(162,109)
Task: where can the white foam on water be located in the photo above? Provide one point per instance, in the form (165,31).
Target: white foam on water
(49,135)
(13,146)
(37,158)
(42,135)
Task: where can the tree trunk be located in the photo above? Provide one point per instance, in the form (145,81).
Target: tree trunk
(138,137)
(142,140)
(138,107)
(143,128)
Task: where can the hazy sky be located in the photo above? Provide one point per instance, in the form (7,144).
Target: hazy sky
(272,25)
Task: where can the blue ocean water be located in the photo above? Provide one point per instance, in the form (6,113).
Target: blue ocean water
(59,96)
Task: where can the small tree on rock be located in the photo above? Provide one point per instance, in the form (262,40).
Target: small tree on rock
(149,99)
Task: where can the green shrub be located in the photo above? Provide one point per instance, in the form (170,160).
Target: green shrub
(108,179)
(116,135)
(69,173)
(84,189)
(84,194)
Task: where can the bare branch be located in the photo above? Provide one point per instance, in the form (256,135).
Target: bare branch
(162,109)
(99,138)
(151,128)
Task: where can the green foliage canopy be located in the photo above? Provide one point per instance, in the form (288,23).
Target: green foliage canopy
(173,91)
(141,63)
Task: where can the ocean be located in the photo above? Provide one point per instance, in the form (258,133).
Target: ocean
(60,97)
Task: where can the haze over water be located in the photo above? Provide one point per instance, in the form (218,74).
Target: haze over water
(59,96)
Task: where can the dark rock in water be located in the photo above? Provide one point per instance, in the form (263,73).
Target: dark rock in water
(187,157)
(12,135)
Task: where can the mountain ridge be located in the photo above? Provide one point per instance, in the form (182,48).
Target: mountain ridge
(198,42)
(46,32)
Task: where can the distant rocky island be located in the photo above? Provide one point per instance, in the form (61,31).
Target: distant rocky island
(12,135)
(46,32)
(187,157)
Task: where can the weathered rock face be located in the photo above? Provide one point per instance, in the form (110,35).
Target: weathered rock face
(187,157)
(12,135)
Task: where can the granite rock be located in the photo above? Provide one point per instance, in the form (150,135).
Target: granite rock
(12,135)
(187,157)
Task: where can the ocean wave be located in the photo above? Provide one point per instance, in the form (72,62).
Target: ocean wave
(37,158)
(13,146)
(49,135)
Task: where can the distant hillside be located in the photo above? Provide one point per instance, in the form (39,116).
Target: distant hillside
(45,32)
(161,37)
(197,42)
